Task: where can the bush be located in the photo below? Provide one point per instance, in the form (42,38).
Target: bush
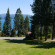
(0,34)
(13,33)
(29,37)
(21,36)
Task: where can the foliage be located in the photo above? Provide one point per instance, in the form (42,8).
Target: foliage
(7,24)
(19,21)
(26,25)
(42,17)
(13,33)
(36,8)
(0,25)
(21,30)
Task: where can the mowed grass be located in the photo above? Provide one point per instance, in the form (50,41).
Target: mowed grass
(24,47)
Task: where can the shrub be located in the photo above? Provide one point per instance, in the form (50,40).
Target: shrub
(13,33)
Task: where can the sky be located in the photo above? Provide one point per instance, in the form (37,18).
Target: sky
(13,5)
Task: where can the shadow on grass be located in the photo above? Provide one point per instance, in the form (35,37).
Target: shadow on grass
(39,44)
(46,45)
(29,42)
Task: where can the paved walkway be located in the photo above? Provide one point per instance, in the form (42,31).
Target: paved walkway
(12,38)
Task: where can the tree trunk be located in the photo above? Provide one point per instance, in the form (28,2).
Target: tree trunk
(40,32)
(37,31)
(45,32)
(53,33)
(52,36)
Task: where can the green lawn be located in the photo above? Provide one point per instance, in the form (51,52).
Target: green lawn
(18,47)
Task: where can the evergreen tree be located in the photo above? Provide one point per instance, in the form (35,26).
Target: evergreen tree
(46,16)
(19,21)
(53,30)
(42,17)
(26,24)
(7,24)
(36,8)
(0,27)
(21,25)
(4,31)
(13,33)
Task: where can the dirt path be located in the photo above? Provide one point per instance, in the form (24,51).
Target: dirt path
(49,40)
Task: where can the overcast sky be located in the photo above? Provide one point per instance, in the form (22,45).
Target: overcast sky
(13,5)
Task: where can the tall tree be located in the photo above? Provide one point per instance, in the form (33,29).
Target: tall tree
(0,27)
(21,25)
(36,8)
(26,24)
(53,30)
(46,15)
(19,21)
(42,16)
(7,24)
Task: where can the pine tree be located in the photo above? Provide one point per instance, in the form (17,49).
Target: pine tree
(53,30)
(7,24)
(0,27)
(13,33)
(42,17)
(26,24)
(36,8)
(21,25)
(19,21)
(46,16)
(4,31)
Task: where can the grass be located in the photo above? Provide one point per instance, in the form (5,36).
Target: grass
(24,47)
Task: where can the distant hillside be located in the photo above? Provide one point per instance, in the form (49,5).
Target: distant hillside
(12,19)
(13,15)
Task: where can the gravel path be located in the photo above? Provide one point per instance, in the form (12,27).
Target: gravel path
(12,38)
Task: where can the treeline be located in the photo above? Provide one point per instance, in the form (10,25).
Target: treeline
(43,20)
(20,28)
